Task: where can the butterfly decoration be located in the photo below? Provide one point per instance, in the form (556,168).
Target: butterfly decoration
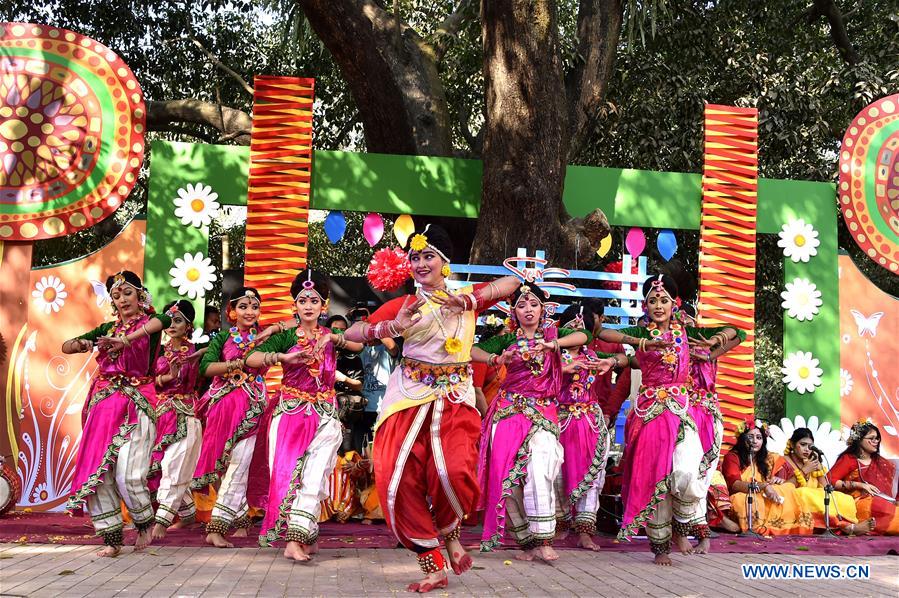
(101,292)
(866,324)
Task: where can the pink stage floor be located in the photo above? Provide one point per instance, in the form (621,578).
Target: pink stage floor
(58,528)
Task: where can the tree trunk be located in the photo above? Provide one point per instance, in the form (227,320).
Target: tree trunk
(391,73)
(526,141)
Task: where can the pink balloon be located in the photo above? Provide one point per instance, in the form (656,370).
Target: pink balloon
(373,228)
(635,242)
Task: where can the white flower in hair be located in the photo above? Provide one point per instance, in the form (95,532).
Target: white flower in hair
(49,294)
(827,439)
(801,299)
(192,275)
(798,240)
(196,205)
(801,372)
(199,337)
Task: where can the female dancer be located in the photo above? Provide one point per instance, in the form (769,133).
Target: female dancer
(662,456)
(233,405)
(305,432)
(862,471)
(583,433)
(425,450)
(178,431)
(706,414)
(803,469)
(520,450)
(118,431)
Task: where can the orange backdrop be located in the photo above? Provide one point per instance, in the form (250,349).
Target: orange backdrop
(869,378)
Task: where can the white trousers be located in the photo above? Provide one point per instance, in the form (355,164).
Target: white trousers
(177,467)
(231,500)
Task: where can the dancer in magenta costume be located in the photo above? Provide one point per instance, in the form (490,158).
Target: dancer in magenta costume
(118,429)
(520,451)
(706,414)
(179,433)
(661,485)
(305,432)
(583,434)
(232,405)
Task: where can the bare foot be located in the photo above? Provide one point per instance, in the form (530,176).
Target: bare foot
(366,522)
(546,553)
(858,529)
(296,551)
(312,548)
(459,559)
(704,546)
(110,551)
(159,531)
(432,581)
(561,533)
(662,559)
(218,541)
(730,525)
(240,532)
(144,539)
(186,524)
(586,541)
(525,555)
(683,544)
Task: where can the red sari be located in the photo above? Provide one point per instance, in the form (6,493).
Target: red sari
(879,472)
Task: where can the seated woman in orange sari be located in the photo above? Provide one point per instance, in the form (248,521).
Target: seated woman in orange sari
(803,469)
(863,472)
(777,510)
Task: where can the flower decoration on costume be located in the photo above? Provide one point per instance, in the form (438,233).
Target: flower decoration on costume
(193,275)
(493,320)
(801,299)
(846,383)
(801,372)
(826,438)
(452,345)
(418,242)
(196,205)
(49,294)
(798,240)
(389,269)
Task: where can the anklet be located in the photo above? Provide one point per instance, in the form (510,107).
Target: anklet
(217,526)
(431,561)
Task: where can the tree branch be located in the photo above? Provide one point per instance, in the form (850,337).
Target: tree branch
(233,124)
(830,10)
(449,28)
(214,60)
(598,32)
(179,130)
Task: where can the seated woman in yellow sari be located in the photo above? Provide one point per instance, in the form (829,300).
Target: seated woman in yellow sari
(870,477)
(802,468)
(777,510)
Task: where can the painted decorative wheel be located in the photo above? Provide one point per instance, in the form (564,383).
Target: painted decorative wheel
(72,121)
(869,181)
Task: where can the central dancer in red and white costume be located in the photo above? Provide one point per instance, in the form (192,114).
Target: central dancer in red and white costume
(425,450)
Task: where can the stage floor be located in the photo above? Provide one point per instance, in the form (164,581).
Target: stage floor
(59,528)
(41,570)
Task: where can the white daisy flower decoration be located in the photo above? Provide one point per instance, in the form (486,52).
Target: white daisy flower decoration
(798,240)
(199,337)
(846,382)
(196,205)
(40,494)
(801,299)
(49,294)
(193,275)
(801,372)
(827,439)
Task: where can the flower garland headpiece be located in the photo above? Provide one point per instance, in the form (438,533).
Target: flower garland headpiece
(855,433)
(750,423)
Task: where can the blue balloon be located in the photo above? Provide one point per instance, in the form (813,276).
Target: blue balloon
(335,226)
(666,244)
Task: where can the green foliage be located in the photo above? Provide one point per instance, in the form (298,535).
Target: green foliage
(349,256)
